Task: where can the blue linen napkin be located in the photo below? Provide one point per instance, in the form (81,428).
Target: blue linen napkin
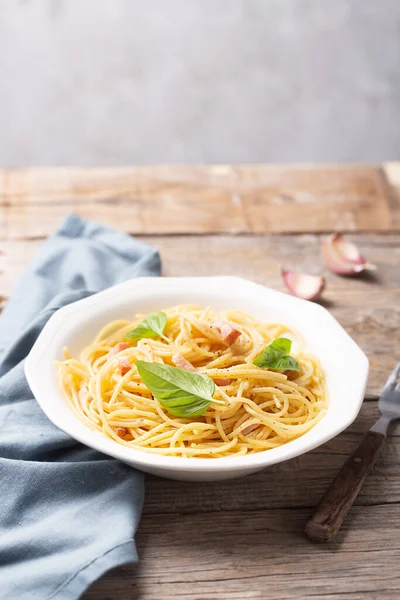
(67,513)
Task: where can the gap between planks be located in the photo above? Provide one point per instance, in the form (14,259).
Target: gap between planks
(222,234)
(368,309)
(261,555)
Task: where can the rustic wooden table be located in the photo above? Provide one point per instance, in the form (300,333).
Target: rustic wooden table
(243,539)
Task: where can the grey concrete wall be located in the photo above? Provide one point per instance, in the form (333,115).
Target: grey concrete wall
(149,81)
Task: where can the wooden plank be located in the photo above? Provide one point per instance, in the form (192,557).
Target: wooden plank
(199,199)
(243,538)
(391,172)
(368,307)
(298,483)
(259,554)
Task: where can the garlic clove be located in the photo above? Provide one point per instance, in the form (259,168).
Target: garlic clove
(343,257)
(302,285)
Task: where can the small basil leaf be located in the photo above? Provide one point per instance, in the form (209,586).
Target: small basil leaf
(181,393)
(280,346)
(286,363)
(152,326)
(277,349)
(276,356)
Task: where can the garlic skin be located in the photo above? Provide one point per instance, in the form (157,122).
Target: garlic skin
(303,285)
(343,257)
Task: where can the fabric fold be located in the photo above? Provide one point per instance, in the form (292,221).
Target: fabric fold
(68,513)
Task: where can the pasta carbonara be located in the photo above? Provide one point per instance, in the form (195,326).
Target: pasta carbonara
(252,408)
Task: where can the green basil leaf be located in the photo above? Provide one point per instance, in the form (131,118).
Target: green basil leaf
(152,326)
(182,393)
(276,356)
(278,348)
(286,363)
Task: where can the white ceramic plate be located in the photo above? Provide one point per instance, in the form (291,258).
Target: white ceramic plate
(75,326)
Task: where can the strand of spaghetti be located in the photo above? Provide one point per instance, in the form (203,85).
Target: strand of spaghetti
(192,451)
(254,410)
(184,428)
(220,426)
(110,329)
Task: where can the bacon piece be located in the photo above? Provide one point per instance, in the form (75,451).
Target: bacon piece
(222,381)
(123,433)
(227,332)
(118,348)
(250,428)
(123,362)
(124,365)
(181,362)
(120,431)
(292,374)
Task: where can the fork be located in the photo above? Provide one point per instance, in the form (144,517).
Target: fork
(332,509)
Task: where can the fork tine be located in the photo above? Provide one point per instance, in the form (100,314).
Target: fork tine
(392,378)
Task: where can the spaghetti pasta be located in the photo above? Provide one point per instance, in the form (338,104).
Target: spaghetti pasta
(255,408)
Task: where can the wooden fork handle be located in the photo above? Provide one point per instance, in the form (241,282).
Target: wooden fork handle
(331,511)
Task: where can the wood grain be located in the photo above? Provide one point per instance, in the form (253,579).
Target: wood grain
(243,539)
(215,199)
(330,513)
(391,184)
(258,554)
(298,483)
(367,307)
(237,540)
